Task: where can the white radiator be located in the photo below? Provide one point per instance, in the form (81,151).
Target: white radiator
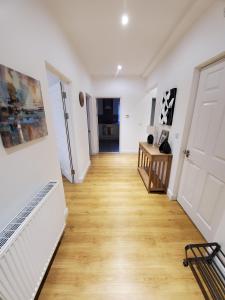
(28,242)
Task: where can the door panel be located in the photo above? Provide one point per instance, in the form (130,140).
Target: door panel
(191,173)
(206,112)
(213,78)
(203,176)
(209,198)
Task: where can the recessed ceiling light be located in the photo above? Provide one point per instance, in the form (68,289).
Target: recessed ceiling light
(119,67)
(124,19)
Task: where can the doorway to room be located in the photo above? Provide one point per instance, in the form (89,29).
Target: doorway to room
(59,103)
(108,124)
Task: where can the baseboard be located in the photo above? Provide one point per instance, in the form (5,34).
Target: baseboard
(81,178)
(66,212)
(94,153)
(171,195)
(128,152)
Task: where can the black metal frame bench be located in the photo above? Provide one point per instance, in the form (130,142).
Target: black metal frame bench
(207,263)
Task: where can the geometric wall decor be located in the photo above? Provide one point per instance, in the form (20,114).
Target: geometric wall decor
(167,107)
(22,116)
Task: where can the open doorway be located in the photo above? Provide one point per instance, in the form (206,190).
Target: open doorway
(59,102)
(108,124)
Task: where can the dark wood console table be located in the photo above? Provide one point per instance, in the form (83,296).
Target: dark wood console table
(154,167)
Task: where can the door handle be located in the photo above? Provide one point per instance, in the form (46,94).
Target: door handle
(187,153)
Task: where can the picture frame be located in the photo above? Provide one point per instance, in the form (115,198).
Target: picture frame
(22,114)
(164,135)
(167,107)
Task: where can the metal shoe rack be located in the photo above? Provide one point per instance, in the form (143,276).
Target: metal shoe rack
(207,263)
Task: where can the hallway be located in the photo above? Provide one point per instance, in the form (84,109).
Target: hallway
(120,242)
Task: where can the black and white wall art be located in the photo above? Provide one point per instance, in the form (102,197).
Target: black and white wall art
(167,108)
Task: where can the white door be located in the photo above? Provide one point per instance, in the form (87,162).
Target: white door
(202,188)
(63,149)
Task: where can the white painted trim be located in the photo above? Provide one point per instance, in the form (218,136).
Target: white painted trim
(190,112)
(187,125)
(94,153)
(49,67)
(170,195)
(68,88)
(81,178)
(94,112)
(129,152)
(66,212)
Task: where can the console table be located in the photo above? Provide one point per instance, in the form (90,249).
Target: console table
(154,167)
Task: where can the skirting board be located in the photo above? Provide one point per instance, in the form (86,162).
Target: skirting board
(66,212)
(171,195)
(81,178)
(128,152)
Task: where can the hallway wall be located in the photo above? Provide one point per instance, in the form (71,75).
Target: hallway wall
(204,41)
(132,107)
(29,38)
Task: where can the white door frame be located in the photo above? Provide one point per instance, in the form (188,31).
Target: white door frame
(88,99)
(207,226)
(190,111)
(50,68)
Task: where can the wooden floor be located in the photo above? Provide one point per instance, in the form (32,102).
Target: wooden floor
(120,242)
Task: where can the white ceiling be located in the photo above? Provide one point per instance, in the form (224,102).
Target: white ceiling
(95,31)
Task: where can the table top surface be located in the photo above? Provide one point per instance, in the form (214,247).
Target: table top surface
(153,150)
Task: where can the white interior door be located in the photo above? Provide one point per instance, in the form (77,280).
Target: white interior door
(58,110)
(202,188)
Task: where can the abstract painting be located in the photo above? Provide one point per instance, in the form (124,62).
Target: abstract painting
(167,109)
(22,116)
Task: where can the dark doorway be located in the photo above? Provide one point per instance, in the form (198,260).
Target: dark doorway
(108,124)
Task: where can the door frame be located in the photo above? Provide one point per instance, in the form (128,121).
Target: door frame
(88,99)
(63,79)
(68,134)
(190,112)
(108,97)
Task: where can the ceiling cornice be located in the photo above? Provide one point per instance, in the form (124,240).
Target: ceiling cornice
(195,11)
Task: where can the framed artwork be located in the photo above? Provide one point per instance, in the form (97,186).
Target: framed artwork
(164,135)
(167,107)
(22,116)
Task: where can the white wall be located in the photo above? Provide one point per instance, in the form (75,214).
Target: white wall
(132,108)
(205,40)
(29,37)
